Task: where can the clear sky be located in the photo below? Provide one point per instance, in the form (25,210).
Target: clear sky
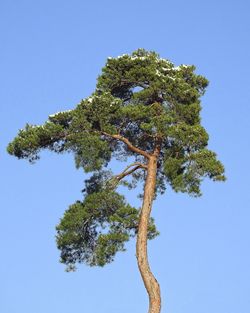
(51,53)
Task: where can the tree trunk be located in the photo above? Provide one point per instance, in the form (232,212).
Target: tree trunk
(150,282)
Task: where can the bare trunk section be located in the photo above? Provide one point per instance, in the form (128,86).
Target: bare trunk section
(150,282)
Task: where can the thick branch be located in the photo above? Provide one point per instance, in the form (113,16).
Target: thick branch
(128,143)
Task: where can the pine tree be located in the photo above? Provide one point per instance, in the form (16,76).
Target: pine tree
(143,109)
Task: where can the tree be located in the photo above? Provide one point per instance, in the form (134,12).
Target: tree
(143,109)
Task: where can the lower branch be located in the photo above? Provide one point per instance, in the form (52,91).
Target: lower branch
(115,180)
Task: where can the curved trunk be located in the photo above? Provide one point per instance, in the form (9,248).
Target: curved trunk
(150,282)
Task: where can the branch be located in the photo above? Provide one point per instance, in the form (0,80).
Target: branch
(157,148)
(126,172)
(117,178)
(129,144)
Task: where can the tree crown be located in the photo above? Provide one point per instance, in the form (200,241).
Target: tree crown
(141,101)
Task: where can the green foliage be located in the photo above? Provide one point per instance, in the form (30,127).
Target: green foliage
(186,172)
(142,98)
(93,231)
(33,138)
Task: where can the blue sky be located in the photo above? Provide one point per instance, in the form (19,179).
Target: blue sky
(51,53)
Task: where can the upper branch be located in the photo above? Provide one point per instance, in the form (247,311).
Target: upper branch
(129,144)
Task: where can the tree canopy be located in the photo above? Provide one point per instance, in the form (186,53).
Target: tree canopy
(140,101)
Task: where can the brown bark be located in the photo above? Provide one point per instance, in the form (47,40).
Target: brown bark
(150,282)
(128,143)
